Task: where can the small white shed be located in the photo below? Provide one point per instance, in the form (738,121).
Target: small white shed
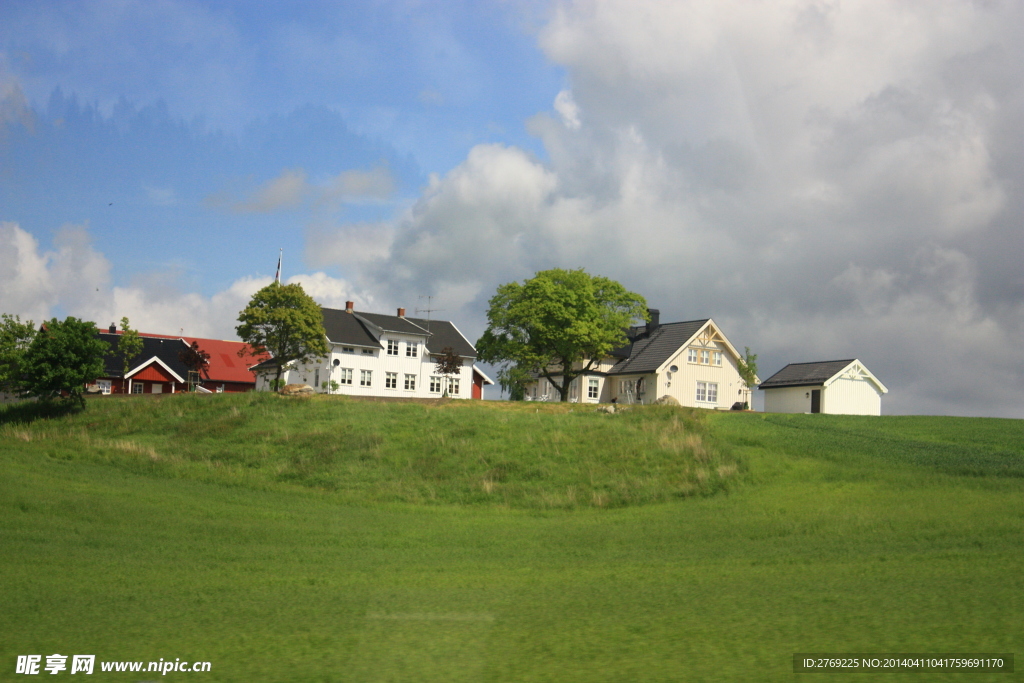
(838,387)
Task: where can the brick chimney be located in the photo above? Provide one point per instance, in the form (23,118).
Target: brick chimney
(401,312)
(350,306)
(655,323)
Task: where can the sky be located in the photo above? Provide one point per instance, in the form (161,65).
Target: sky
(824,179)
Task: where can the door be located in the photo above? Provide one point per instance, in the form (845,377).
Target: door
(815,400)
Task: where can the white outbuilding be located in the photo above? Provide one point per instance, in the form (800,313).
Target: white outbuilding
(838,387)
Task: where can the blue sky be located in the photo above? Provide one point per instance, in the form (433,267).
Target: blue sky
(825,179)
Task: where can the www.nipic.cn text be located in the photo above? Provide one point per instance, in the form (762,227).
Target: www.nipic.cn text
(86,664)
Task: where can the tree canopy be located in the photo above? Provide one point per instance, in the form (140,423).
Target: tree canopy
(558,324)
(285,322)
(15,338)
(63,357)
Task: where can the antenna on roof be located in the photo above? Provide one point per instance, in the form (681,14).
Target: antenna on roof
(428,310)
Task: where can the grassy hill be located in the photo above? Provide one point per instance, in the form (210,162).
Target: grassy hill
(337,539)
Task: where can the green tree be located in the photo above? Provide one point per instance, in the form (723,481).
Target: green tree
(62,358)
(285,322)
(514,379)
(559,323)
(747,367)
(15,339)
(129,346)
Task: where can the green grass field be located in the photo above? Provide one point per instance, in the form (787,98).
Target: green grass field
(345,540)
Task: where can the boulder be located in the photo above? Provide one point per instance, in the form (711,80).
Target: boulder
(297,390)
(610,409)
(667,400)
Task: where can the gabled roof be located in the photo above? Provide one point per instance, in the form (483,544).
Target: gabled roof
(820,373)
(444,334)
(155,360)
(347,328)
(392,323)
(163,348)
(361,329)
(225,363)
(648,353)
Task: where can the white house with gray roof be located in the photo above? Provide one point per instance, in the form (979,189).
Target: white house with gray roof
(690,361)
(372,354)
(839,387)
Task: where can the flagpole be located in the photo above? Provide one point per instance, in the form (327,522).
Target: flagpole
(280,256)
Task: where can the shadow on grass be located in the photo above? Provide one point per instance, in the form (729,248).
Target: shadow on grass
(30,411)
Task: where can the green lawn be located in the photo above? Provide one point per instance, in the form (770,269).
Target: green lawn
(378,551)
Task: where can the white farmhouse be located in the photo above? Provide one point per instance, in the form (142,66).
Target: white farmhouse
(838,387)
(690,361)
(372,354)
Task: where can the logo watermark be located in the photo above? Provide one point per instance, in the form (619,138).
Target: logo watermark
(86,664)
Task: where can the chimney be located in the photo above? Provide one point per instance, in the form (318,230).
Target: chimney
(350,306)
(655,315)
(112,329)
(401,312)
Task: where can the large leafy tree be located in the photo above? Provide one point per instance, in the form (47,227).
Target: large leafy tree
(15,338)
(285,322)
(63,357)
(559,324)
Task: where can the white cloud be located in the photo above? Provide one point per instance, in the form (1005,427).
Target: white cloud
(291,190)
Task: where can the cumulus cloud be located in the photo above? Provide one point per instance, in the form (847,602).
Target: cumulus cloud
(74,279)
(826,179)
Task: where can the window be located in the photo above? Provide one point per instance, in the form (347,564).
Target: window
(390,380)
(718,357)
(592,387)
(316,378)
(103,385)
(392,347)
(137,388)
(347,349)
(365,377)
(346,376)
(367,352)
(707,392)
(410,382)
(435,384)
(691,355)
(453,386)
(411,349)
(705,356)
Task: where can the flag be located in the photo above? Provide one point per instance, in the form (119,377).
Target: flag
(278,276)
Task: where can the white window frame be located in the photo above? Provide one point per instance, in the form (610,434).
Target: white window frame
(390,380)
(691,355)
(705,357)
(366,378)
(346,376)
(707,392)
(593,388)
(410,382)
(105,386)
(713,392)
(137,387)
(717,358)
(392,347)
(367,352)
(348,349)
(453,386)
(435,384)
(411,350)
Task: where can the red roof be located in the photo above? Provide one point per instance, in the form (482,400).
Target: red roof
(225,365)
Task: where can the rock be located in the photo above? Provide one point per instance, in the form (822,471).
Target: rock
(610,409)
(667,400)
(297,390)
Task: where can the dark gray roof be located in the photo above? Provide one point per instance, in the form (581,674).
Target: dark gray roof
(346,328)
(392,323)
(444,334)
(166,350)
(356,329)
(647,353)
(805,374)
